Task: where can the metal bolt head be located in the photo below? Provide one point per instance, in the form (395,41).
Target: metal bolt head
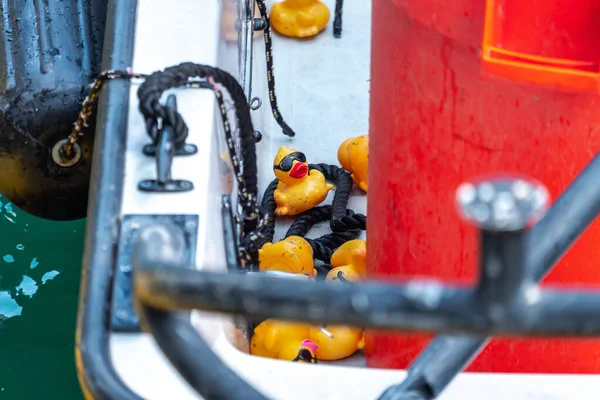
(62,160)
(503,203)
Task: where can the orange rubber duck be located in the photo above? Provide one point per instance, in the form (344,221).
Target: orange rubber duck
(292,254)
(349,265)
(283,340)
(299,18)
(298,189)
(342,342)
(353,155)
(349,262)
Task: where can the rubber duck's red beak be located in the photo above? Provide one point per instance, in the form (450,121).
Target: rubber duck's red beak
(299,170)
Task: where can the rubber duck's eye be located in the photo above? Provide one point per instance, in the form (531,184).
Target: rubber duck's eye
(287,162)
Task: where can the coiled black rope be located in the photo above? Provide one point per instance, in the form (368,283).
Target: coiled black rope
(265,231)
(324,246)
(156,113)
(305,221)
(322,271)
(341,219)
(262,7)
(267,209)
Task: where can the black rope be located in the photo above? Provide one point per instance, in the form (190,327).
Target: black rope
(326,245)
(340,220)
(265,231)
(262,7)
(308,219)
(267,212)
(305,221)
(337,21)
(322,271)
(156,113)
(89,105)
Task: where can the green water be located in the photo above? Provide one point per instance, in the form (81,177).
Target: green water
(40,267)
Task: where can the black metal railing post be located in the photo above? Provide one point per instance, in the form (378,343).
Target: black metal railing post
(502,209)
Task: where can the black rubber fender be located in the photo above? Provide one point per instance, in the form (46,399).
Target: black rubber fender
(50,53)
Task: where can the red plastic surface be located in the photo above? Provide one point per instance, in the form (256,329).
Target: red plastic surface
(549,42)
(436,121)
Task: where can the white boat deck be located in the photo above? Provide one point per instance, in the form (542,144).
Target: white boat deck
(322,85)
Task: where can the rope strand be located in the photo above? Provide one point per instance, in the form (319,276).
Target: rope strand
(153,111)
(89,103)
(244,167)
(287,130)
(341,219)
(324,246)
(308,219)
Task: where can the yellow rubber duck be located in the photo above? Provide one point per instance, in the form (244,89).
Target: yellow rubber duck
(298,189)
(283,340)
(292,254)
(349,262)
(299,18)
(344,273)
(350,265)
(343,342)
(353,156)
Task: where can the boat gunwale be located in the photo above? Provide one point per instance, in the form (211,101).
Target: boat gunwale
(96,373)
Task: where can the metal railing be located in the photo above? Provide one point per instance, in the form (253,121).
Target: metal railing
(506,300)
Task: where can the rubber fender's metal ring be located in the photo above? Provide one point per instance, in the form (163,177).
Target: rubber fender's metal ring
(64,161)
